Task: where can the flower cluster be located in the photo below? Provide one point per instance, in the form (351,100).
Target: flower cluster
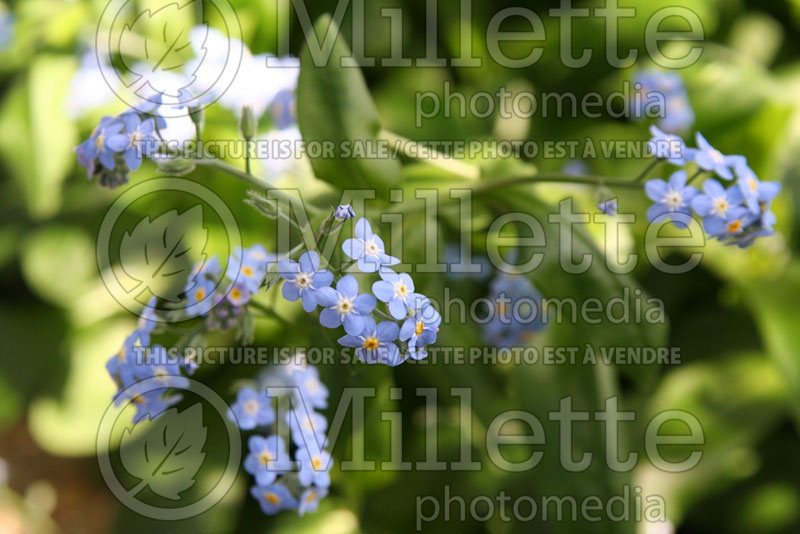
(515,314)
(118,144)
(280,482)
(408,318)
(663,94)
(737,215)
(221,299)
(137,361)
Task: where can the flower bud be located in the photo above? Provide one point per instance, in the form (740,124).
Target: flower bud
(344,212)
(248,123)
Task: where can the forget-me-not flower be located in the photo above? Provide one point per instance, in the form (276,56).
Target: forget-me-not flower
(273,498)
(309,500)
(267,459)
(314,467)
(307,427)
(709,158)
(251,409)
(303,279)
(671,199)
(367,248)
(311,387)
(420,330)
(398,291)
(344,306)
(716,200)
(667,147)
(754,191)
(375,343)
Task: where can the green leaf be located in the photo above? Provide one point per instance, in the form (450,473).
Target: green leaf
(169,454)
(36,136)
(335,106)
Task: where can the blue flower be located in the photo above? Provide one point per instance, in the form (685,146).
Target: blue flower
(398,291)
(274,498)
(268,458)
(709,158)
(420,330)
(249,266)
(679,115)
(239,294)
(516,313)
(662,92)
(151,404)
(309,500)
(304,279)
(345,306)
(609,207)
(310,387)
(667,147)
(314,467)
(307,427)
(147,322)
(375,343)
(120,365)
(283,109)
(453,257)
(717,201)
(754,191)
(251,409)
(368,249)
(138,139)
(671,199)
(730,226)
(199,296)
(344,212)
(96,147)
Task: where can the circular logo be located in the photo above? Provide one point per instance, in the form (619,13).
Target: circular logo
(147,52)
(161,467)
(154,238)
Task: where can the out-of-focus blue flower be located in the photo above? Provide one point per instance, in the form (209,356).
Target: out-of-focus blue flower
(249,266)
(344,212)
(398,291)
(420,330)
(754,191)
(609,207)
(239,294)
(138,139)
(309,500)
(7,22)
(199,298)
(516,312)
(709,158)
(671,199)
(375,343)
(96,147)
(453,258)
(151,404)
(307,428)
(283,109)
(273,498)
(666,146)
(251,409)
(314,467)
(303,279)
(311,388)
(662,92)
(147,322)
(344,306)
(267,459)
(716,200)
(730,226)
(367,248)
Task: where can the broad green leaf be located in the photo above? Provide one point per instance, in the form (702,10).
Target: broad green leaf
(166,454)
(334,106)
(36,137)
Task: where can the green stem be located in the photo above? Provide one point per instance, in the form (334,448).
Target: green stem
(268,312)
(247,157)
(553,177)
(694,176)
(647,169)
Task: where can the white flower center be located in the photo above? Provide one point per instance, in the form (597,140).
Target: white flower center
(100,141)
(720,205)
(345,305)
(673,199)
(251,406)
(370,248)
(752,185)
(400,289)
(716,156)
(303,280)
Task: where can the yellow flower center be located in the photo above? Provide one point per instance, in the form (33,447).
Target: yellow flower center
(316,461)
(735,226)
(752,185)
(200,294)
(371,343)
(345,305)
(100,141)
(720,205)
(272,498)
(420,328)
(400,289)
(265,457)
(236,294)
(311,496)
(251,406)
(247,271)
